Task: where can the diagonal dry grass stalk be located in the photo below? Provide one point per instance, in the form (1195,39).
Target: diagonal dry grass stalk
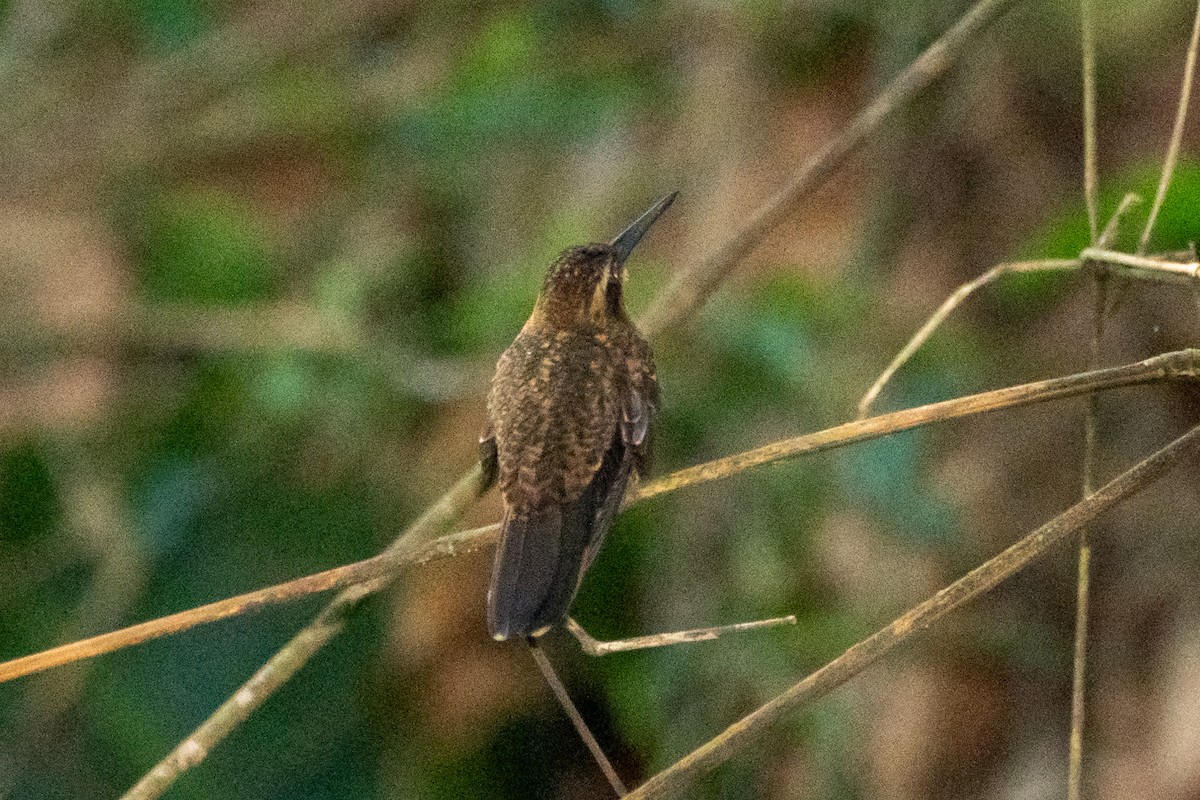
(677,778)
(1176,268)
(1180,365)
(692,286)
(956,299)
(568,705)
(307,643)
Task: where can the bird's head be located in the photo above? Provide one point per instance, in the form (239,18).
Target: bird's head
(584,284)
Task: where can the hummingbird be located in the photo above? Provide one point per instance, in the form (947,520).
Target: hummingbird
(570,412)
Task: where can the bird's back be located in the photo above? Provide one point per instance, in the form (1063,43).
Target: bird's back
(554,410)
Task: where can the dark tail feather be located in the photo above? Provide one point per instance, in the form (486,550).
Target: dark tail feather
(543,555)
(537,569)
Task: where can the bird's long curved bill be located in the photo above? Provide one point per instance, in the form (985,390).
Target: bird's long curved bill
(627,239)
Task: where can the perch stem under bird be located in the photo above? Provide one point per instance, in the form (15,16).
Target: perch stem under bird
(570,416)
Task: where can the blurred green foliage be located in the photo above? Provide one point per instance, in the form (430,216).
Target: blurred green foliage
(203,247)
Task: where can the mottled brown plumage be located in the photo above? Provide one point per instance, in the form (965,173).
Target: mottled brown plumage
(569,417)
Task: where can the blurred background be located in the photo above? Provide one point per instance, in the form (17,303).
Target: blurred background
(257,261)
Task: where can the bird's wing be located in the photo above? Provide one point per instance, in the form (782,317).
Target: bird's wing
(609,490)
(628,452)
(544,553)
(489,458)
(640,406)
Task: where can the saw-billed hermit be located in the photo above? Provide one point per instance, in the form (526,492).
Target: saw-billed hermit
(570,412)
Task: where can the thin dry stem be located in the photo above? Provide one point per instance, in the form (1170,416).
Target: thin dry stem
(1114,222)
(1089,118)
(1075,755)
(1168,170)
(1183,364)
(860,430)
(595,647)
(676,779)
(1079,671)
(1186,270)
(957,298)
(1083,573)
(1135,267)
(568,706)
(250,602)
